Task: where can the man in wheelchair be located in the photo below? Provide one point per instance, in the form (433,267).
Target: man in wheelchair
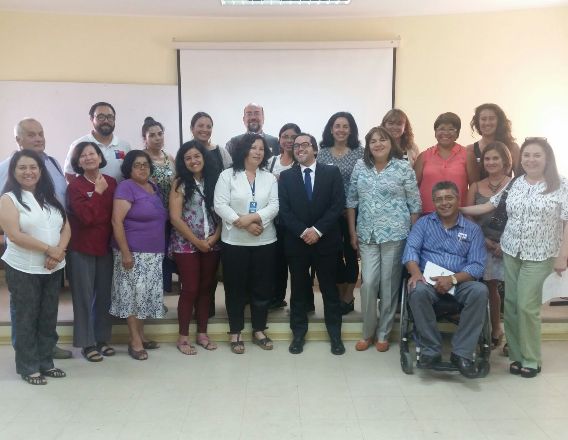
(456,247)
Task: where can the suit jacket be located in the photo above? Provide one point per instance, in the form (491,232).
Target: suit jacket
(272,142)
(298,213)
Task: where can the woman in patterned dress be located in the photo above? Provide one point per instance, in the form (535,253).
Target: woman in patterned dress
(138,220)
(534,243)
(195,239)
(340,146)
(162,176)
(383,188)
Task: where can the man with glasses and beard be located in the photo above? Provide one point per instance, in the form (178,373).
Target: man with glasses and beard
(253,118)
(103,116)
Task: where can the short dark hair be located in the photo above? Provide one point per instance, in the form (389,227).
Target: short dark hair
(242,148)
(45,189)
(198,115)
(395,150)
(128,162)
(353,139)
(150,122)
(100,104)
(313,140)
(445,184)
(448,118)
(551,176)
(76,154)
(289,126)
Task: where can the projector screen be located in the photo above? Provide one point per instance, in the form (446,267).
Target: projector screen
(304,83)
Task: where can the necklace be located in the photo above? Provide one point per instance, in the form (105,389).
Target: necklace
(495,187)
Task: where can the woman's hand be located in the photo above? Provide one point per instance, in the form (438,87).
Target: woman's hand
(255,229)
(50,263)
(354,242)
(560,264)
(55,252)
(211,240)
(127,260)
(100,184)
(244,221)
(203,246)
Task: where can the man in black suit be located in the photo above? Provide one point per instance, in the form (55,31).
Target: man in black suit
(311,201)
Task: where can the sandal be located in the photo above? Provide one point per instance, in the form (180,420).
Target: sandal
(527,372)
(150,345)
(91,354)
(186,348)
(238,346)
(54,372)
(515,368)
(382,346)
(264,343)
(35,380)
(105,349)
(140,355)
(206,343)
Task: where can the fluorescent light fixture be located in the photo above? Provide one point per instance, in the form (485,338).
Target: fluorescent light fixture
(283,2)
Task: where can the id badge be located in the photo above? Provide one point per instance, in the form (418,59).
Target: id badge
(252,207)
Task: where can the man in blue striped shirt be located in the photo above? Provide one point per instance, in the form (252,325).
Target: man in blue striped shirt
(449,240)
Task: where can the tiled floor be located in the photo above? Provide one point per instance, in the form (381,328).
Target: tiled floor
(274,395)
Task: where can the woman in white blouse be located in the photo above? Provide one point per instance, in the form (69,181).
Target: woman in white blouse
(37,234)
(533,244)
(246,199)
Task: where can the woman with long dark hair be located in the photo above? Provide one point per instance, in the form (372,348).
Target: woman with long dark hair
(340,146)
(37,231)
(194,242)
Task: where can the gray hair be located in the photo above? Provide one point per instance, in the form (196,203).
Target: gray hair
(19,127)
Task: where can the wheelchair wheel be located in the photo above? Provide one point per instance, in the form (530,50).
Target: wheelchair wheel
(483,369)
(407,362)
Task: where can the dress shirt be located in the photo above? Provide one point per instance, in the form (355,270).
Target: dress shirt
(312,175)
(385,199)
(460,248)
(535,220)
(233,195)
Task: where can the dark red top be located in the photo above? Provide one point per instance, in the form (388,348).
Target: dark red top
(90,216)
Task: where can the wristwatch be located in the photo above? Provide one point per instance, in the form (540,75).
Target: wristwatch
(454,280)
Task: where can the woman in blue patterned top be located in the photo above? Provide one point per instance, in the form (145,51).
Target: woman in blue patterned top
(384,189)
(340,146)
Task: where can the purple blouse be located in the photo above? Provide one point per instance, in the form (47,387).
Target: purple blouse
(145,222)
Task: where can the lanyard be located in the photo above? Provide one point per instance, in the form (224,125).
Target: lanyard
(253,188)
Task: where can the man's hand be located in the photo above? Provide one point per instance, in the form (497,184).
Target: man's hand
(560,265)
(443,284)
(415,279)
(310,236)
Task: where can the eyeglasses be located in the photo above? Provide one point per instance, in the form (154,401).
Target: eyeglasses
(303,145)
(100,117)
(141,165)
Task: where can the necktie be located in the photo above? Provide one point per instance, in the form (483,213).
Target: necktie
(308,182)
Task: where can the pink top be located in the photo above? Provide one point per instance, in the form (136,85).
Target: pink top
(437,169)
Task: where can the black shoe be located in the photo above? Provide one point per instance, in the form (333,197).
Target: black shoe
(466,367)
(297,345)
(427,362)
(277,304)
(337,346)
(347,307)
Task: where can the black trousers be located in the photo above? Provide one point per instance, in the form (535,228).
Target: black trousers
(301,283)
(248,267)
(34,299)
(347,264)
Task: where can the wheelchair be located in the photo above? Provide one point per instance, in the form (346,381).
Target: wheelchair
(447,309)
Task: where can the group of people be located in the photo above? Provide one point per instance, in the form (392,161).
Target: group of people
(265,206)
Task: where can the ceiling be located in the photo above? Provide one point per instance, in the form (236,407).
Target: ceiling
(213,8)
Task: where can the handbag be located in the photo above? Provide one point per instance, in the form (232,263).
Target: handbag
(499,218)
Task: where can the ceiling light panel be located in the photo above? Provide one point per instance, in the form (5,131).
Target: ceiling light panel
(283,2)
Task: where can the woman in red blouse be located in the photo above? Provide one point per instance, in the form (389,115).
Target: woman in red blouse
(90,198)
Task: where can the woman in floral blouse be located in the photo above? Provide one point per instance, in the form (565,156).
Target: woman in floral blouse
(534,243)
(194,241)
(383,187)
